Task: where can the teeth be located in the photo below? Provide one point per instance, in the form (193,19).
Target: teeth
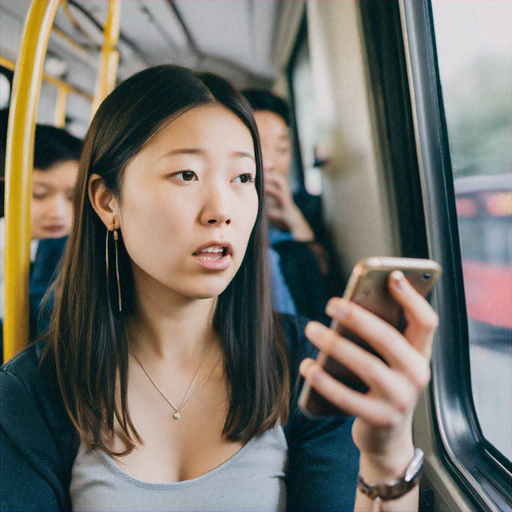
(216,252)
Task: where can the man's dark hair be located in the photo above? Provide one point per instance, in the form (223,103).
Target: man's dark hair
(53,145)
(264,100)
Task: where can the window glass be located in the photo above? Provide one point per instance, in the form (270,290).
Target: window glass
(5,87)
(474,50)
(304,98)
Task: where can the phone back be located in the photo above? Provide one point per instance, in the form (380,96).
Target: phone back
(368,288)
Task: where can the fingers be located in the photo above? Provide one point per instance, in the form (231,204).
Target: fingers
(384,413)
(369,407)
(385,339)
(368,367)
(274,189)
(409,353)
(422,320)
(275,195)
(278,185)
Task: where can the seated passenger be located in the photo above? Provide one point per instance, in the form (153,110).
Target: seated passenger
(56,156)
(166,382)
(297,230)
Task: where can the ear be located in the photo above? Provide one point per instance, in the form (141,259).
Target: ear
(103,201)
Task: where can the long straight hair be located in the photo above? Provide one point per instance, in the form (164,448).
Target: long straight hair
(88,333)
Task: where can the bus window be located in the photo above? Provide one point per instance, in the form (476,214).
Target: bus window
(473,45)
(303,94)
(5,89)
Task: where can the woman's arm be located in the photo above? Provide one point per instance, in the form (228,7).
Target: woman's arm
(28,453)
(37,439)
(383,428)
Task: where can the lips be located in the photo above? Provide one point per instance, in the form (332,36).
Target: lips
(56,228)
(214,255)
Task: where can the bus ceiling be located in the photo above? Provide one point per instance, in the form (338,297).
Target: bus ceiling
(237,39)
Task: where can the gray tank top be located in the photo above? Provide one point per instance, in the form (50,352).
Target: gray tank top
(252,480)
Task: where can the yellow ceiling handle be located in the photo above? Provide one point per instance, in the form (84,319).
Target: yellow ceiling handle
(65,7)
(109,60)
(28,76)
(60,108)
(57,82)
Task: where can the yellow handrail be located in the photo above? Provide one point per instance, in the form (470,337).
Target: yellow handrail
(109,60)
(60,108)
(9,64)
(28,76)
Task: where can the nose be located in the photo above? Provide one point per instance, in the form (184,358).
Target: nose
(268,160)
(216,211)
(58,208)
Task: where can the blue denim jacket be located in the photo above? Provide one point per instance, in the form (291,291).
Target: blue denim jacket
(38,441)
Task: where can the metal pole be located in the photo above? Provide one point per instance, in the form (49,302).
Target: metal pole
(109,61)
(60,107)
(28,76)
(9,64)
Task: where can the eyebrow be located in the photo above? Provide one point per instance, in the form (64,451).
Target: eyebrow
(244,154)
(202,152)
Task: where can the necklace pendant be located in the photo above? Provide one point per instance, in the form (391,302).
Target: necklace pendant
(176,415)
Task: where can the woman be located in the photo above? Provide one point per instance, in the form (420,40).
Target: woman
(165,385)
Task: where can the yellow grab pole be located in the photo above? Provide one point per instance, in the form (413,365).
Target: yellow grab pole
(9,64)
(109,60)
(60,107)
(28,76)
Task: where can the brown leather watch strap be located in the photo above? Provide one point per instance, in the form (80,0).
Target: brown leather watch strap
(394,489)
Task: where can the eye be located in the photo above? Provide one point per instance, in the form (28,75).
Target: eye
(38,195)
(186,175)
(245,178)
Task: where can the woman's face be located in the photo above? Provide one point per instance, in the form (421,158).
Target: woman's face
(51,209)
(189,203)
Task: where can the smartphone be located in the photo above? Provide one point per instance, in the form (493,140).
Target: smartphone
(368,287)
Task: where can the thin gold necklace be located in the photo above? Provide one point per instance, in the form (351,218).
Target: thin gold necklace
(185,401)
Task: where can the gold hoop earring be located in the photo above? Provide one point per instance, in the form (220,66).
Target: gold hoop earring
(112,228)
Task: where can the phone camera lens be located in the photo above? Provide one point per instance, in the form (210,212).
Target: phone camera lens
(426,276)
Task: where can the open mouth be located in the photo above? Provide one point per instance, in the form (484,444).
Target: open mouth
(212,253)
(215,255)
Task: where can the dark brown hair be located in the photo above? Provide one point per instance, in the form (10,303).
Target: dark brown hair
(88,333)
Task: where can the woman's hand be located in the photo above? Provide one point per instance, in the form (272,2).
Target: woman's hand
(382,430)
(281,209)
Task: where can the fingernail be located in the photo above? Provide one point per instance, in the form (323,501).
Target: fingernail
(313,328)
(337,308)
(303,368)
(398,279)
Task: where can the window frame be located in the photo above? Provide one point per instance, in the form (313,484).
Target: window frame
(482,472)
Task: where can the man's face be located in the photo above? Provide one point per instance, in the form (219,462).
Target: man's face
(275,142)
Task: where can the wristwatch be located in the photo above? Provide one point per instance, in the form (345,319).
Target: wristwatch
(394,489)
